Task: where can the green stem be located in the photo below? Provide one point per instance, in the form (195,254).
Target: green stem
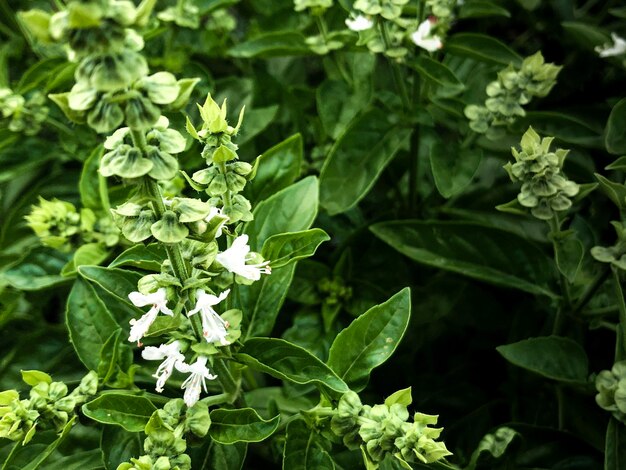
(11,455)
(555,228)
(395,69)
(231,387)
(216,400)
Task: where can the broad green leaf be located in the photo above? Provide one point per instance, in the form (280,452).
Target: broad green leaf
(240,425)
(286,361)
(286,248)
(289,210)
(301,450)
(89,183)
(615,447)
(130,412)
(370,340)
(119,445)
(41,458)
(86,460)
(89,323)
(358,158)
(438,74)
(476,251)
(614,135)
(585,34)
(118,282)
(277,168)
(403,397)
(90,254)
(231,457)
(566,127)
(453,168)
(483,48)
(40,269)
(146,257)
(262,300)
(482,8)
(256,121)
(615,191)
(108,356)
(274,44)
(553,357)
(569,256)
(34,377)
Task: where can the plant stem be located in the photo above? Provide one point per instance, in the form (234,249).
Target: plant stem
(555,229)
(230,386)
(395,69)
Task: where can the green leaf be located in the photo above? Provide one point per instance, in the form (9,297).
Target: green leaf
(89,323)
(257,120)
(146,257)
(588,36)
(286,361)
(130,412)
(231,457)
(569,256)
(301,450)
(108,356)
(476,251)
(274,44)
(566,127)
(403,397)
(358,158)
(241,425)
(615,447)
(262,300)
(277,168)
(438,74)
(89,183)
(286,248)
(34,377)
(85,460)
(370,340)
(614,135)
(616,192)
(493,446)
(118,282)
(481,9)
(90,254)
(483,48)
(553,357)
(453,168)
(119,445)
(41,458)
(289,210)
(40,269)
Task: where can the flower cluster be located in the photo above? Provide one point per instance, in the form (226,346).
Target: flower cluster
(611,387)
(166,432)
(385,429)
(59,225)
(49,405)
(23,115)
(545,188)
(507,95)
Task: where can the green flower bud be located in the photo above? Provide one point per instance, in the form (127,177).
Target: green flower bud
(141,113)
(197,420)
(187,17)
(105,116)
(240,210)
(169,229)
(301,5)
(134,221)
(161,87)
(235,182)
(111,71)
(55,222)
(127,162)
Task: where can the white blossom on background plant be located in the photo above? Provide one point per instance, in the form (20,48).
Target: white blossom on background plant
(196,382)
(359,23)
(170,354)
(423,38)
(158,300)
(618,47)
(213,326)
(234,260)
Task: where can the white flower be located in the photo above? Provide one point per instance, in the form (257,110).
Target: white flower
(234,259)
(216,212)
(194,384)
(158,300)
(213,326)
(171,355)
(423,39)
(617,48)
(359,23)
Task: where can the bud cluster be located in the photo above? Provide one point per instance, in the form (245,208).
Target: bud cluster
(59,225)
(507,95)
(385,429)
(49,406)
(545,188)
(23,115)
(166,437)
(611,387)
